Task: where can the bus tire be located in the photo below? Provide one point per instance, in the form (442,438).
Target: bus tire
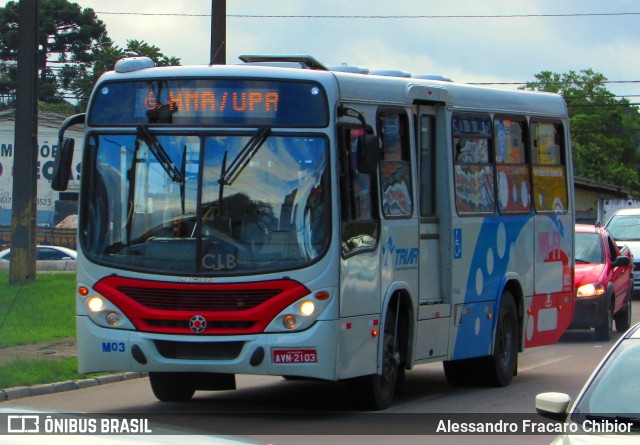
(375,392)
(172,386)
(500,367)
(461,372)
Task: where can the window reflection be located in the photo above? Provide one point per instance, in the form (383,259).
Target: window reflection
(273,215)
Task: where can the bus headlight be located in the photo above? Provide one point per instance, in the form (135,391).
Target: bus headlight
(100,310)
(289,321)
(307,308)
(302,314)
(113,318)
(95,304)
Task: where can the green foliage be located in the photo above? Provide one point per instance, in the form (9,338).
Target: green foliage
(64,108)
(37,311)
(605,130)
(75,49)
(141,48)
(107,56)
(67,37)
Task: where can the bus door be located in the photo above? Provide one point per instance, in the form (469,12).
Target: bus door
(359,264)
(434,311)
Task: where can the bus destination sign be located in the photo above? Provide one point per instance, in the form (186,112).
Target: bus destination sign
(209,102)
(224,101)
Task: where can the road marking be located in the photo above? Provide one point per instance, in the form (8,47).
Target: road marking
(400,407)
(545,363)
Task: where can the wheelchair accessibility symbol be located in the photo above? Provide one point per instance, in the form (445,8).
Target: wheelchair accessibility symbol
(457,243)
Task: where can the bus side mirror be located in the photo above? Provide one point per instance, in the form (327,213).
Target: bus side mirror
(64,155)
(62,165)
(368,154)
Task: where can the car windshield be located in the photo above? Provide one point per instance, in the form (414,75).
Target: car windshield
(589,248)
(624,227)
(615,388)
(205,204)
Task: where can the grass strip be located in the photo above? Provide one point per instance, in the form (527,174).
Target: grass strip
(41,310)
(21,372)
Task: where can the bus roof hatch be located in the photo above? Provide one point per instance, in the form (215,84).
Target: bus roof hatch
(307,62)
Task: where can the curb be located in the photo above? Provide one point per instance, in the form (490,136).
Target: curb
(21,392)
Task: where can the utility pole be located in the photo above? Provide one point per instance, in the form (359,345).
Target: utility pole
(218,32)
(23,204)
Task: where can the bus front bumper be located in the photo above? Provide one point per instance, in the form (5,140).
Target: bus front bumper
(310,353)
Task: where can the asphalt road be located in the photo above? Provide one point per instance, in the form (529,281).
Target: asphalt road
(273,410)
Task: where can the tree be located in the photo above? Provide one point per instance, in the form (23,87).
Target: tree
(107,56)
(7,85)
(68,38)
(605,130)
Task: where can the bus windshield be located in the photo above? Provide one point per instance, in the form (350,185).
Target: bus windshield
(205,204)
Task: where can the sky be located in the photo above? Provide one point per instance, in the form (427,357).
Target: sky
(453,38)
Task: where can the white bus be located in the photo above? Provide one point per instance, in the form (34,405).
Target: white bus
(298,221)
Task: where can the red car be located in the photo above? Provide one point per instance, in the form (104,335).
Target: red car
(603,282)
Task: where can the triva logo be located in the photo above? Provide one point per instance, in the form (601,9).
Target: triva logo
(399,257)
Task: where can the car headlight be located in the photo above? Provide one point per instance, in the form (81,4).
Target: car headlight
(591,290)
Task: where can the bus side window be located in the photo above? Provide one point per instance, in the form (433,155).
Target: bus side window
(357,205)
(395,168)
(474,180)
(512,169)
(549,169)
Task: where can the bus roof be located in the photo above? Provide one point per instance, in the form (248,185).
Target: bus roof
(389,89)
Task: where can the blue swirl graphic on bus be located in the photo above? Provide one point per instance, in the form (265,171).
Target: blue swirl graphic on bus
(488,267)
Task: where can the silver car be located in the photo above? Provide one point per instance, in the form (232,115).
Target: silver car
(624,226)
(607,410)
(46,253)
(48,258)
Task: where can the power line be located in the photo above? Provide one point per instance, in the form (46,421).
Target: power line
(383,17)
(535,82)
(607,130)
(630,104)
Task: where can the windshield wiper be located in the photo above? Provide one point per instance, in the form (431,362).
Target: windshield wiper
(247,153)
(160,154)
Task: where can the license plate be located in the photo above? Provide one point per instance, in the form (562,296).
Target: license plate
(294,356)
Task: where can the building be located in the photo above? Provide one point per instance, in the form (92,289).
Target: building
(591,196)
(53,206)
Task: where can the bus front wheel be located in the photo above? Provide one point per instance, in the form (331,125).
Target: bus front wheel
(376,391)
(172,386)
